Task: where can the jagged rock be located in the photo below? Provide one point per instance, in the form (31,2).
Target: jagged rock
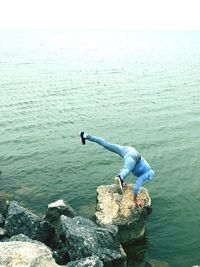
(116,208)
(93,261)
(26,254)
(84,238)
(58,208)
(21,221)
(156,263)
(55,210)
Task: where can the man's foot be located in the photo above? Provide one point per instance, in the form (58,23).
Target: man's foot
(120,182)
(82,138)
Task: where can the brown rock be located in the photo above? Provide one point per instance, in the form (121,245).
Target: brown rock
(115,207)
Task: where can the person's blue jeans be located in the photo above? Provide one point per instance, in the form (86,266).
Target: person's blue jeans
(132,161)
(120,150)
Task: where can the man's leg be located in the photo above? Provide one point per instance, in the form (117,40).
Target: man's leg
(120,150)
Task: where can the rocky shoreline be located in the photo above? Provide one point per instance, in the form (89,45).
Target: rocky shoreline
(63,238)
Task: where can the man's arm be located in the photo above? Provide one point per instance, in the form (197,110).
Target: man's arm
(138,184)
(140,180)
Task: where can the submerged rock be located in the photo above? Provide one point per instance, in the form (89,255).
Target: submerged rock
(21,221)
(26,254)
(119,209)
(93,261)
(84,238)
(156,263)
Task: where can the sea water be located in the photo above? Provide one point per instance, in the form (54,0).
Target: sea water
(133,88)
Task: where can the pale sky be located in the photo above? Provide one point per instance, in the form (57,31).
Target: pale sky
(101,14)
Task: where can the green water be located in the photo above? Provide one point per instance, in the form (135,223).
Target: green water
(133,88)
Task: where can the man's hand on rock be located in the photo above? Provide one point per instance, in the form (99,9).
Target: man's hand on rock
(138,202)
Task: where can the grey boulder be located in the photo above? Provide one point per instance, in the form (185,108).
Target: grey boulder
(84,238)
(21,221)
(58,208)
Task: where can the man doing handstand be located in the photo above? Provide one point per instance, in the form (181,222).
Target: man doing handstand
(133,162)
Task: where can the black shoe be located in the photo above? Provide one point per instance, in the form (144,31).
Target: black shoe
(120,182)
(82,137)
